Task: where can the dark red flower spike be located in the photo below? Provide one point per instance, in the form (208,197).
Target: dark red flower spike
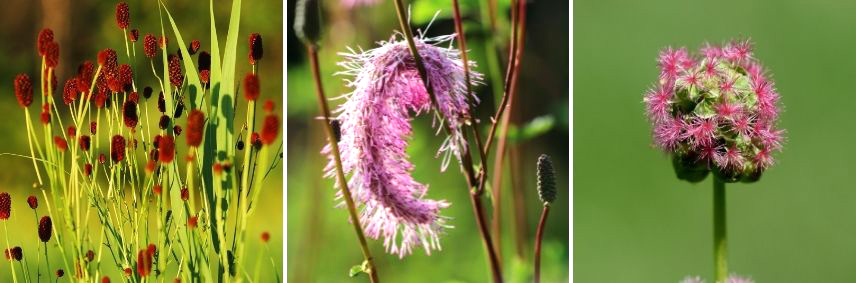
(45,36)
(256,50)
(129,114)
(134,35)
(251,87)
(60,143)
(45,229)
(270,129)
(84,142)
(175,75)
(166,149)
(5,206)
(69,92)
(24,90)
(117,148)
(195,127)
(33,201)
(123,16)
(52,54)
(194,46)
(150,45)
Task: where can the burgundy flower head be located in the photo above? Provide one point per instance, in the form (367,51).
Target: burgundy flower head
(270,129)
(60,143)
(194,46)
(134,35)
(166,149)
(117,148)
(52,54)
(85,75)
(123,16)
(375,127)
(150,45)
(175,75)
(5,206)
(716,112)
(24,90)
(33,202)
(45,36)
(256,49)
(195,127)
(130,114)
(45,229)
(251,87)
(69,92)
(108,59)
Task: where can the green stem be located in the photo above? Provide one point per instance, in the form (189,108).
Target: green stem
(719,242)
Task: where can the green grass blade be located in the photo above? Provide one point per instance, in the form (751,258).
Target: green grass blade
(189,66)
(215,46)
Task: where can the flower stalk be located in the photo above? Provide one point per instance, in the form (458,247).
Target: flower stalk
(720,250)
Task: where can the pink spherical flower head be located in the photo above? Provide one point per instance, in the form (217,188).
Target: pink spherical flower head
(715,112)
(375,127)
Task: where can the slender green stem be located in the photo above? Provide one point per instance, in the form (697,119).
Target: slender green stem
(9,249)
(340,173)
(720,251)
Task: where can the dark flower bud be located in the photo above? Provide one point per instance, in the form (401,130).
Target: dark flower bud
(45,229)
(33,202)
(134,35)
(24,90)
(194,46)
(117,148)
(123,16)
(307,21)
(45,36)
(546,179)
(150,45)
(256,49)
(164,122)
(147,92)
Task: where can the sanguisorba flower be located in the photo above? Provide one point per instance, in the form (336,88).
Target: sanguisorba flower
(150,45)
(375,125)
(195,127)
(45,36)
(33,202)
(45,229)
(256,48)
(175,75)
(715,112)
(24,90)
(123,16)
(5,206)
(117,148)
(166,149)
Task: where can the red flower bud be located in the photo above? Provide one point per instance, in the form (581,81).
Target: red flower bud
(123,16)
(24,90)
(150,45)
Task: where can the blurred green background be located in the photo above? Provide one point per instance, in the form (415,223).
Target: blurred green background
(84,27)
(635,222)
(321,244)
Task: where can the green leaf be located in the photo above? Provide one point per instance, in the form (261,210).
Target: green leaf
(215,46)
(538,126)
(356,270)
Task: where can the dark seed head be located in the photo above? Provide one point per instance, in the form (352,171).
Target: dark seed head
(93,127)
(60,273)
(134,35)
(84,142)
(164,122)
(204,61)
(33,201)
(45,229)
(546,179)
(147,92)
(185,194)
(176,130)
(130,114)
(161,103)
(179,109)
(256,50)
(117,148)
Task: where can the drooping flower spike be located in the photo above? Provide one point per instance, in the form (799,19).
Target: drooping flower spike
(716,112)
(375,125)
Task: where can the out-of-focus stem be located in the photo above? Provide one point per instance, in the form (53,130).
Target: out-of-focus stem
(30,142)
(340,173)
(538,235)
(466,158)
(515,54)
(720,251)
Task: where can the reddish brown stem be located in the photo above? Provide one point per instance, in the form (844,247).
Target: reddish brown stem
(538,236)
(340,174)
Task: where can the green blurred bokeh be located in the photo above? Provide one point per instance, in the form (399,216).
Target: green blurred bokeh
(82,28)
(322,245)
(635,222)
